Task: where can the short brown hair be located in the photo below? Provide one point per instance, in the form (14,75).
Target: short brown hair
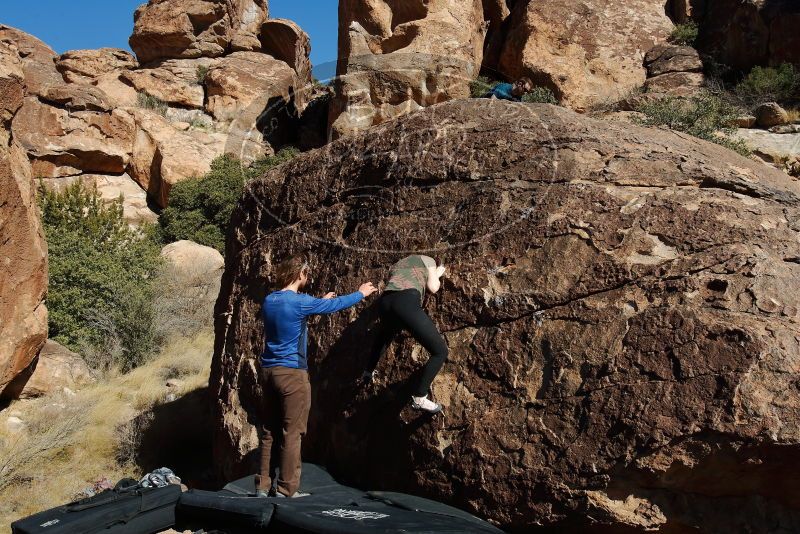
(289,270)
(525,81)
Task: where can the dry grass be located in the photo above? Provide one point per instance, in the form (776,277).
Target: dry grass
(71,442)
(794,115)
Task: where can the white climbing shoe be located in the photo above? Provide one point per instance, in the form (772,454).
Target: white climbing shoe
(425,404)
(368,377)
(296,495)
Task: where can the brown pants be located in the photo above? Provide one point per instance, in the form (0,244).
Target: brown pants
(287,401)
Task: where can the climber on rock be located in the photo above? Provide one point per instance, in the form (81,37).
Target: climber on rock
(511,91)
(286,390)
(400,308)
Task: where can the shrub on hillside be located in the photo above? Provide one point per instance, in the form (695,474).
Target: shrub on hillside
(148,101)
(201,73)
(481,86)
(704,115)
(199,210)
(101,289)
(685,34)
(540,95)
(770,84)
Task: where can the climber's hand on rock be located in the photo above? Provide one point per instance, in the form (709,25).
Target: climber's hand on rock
(329,295)
(367,289)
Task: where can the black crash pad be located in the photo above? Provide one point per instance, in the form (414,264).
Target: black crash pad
(331,508)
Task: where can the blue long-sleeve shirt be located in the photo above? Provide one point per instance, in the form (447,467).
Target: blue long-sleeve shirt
(503,91)
(285,325)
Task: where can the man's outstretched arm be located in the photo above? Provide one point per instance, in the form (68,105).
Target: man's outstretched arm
(314,306)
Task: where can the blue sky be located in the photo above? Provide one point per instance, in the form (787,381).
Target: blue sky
(75,24)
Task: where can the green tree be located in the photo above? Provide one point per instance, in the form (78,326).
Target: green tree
(200,210)
(100,296)
(685,34)
(770,84)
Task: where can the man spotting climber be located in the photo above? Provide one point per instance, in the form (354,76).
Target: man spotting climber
(400,308)
(284,380)
(511,91)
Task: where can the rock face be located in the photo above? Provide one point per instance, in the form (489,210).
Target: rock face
(587,52)
(244,83)
(228,86)
(673,70)
(23,251)
(286,41)
(746,33)
(163,156)
(66,140)
(174,81)
(172,29)
(23,272)
(85,66)
(397,57)
(621,310)
(36,59)
(781,149)
(57,368)
(103,68)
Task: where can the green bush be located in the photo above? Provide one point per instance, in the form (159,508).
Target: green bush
(201,73)
(481,86)
(199,210)
(101,290)
(685,34)
(770,84)
(705,115)
(148,101)
(540,95)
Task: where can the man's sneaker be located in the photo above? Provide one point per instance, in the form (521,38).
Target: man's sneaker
(425,404)
(262,493)
(296,495)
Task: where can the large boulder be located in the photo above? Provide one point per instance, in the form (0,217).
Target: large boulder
(57,368)
(188,257)
(177,82)
(621,309)
(103,68)
(587,52)
(85,66)
(36,59)
(286,41)
(172,29)
(770,114)
(23,273)
(241,86)
(397,57)
(70,137)
(189,286)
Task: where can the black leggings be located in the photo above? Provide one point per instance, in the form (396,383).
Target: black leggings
(401,310)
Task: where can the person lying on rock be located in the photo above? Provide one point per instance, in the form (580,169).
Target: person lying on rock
(286,390)
(511,91)
(400,308)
